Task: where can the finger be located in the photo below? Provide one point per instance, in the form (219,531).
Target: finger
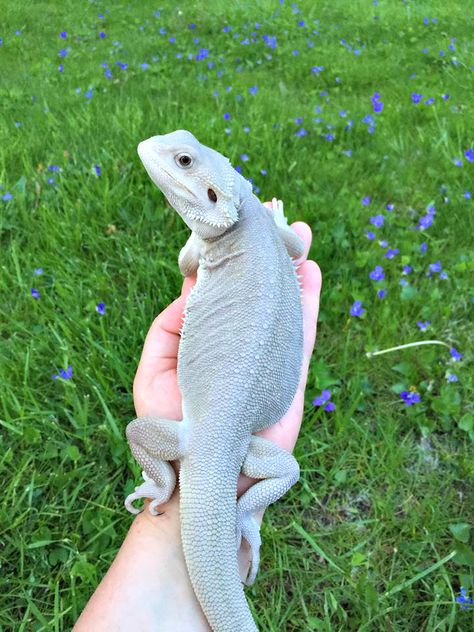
(304,231)
(311,282)
(161,345)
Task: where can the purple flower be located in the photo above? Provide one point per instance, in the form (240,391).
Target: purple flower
(97,170)
(357,309)
(35,293)
(61,67)
(63,34)
(253,90)
(63,52)
(301,132)
(322,399)
(376,103)
(370,235)
(38,271)
(381,293)
(416,98)
(455,354)
(423,325)
(377,274)
(100,307)
(317,69)
(390,207)
(383,243)
(88,94)
(377,220)
(407,269)
(54,168)
(244,157)
(145,66)
(102,35)
(7,196)
(410,398)
(391,252)
(66,374)
(452,377)
(226,116)
(435,267)
(330,406)
(423,247)
(202,54)
(366,200)
(469,153)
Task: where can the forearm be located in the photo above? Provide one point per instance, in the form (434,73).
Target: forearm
(147,587)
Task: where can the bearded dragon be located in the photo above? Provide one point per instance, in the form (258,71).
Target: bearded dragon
(239,365)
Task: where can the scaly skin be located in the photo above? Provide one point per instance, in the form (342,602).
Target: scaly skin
(239,365)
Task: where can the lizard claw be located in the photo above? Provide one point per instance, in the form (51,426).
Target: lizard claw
(249,529)
(148,489)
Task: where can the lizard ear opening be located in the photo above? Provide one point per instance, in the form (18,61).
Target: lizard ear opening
(211,194)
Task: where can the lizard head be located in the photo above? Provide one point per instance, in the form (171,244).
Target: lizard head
(198,182)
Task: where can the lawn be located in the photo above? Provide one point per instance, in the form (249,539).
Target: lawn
(360,116)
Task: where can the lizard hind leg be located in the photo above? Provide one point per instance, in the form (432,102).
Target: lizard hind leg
(278,471)
(153,442)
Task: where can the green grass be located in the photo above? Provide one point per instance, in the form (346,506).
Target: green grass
(366,540)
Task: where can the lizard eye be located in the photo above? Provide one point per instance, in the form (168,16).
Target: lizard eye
(184,160)
(211,194)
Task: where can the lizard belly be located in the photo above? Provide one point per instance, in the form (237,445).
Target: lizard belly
(241,347)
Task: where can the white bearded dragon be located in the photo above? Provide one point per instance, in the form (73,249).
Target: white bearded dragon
(239,363)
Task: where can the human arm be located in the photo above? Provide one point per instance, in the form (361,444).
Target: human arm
(147,585)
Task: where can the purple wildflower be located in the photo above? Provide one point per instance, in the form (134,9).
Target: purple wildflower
(63,34)
(410,398)
(244,157)
(301,132)
(416,98)
(97,170)
(370,235)
(377,274)
(455,354)
(435,267)
(377,220)
(66,374)
(366,200)
(357,309)
(38,271)
(88,94)
(63,52)
(330,406)
(407,269)
(322,399)
(452,377)
(423,247)
(391,252)
(7,196)
(382,293)
(100,307)
(226,116)
(253,89)
(423,325)
(469,153)
(35,293)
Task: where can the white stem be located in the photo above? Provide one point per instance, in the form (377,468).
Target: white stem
(370,354)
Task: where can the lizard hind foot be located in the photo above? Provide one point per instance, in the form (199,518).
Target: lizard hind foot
(249,529)
(148,489)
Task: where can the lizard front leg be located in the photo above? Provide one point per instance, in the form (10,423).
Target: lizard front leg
(188,259)
(280,470)
(293,242)
(154,441)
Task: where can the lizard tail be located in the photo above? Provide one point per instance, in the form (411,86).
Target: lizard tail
(208,490)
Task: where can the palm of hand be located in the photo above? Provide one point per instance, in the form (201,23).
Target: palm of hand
(155,388)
